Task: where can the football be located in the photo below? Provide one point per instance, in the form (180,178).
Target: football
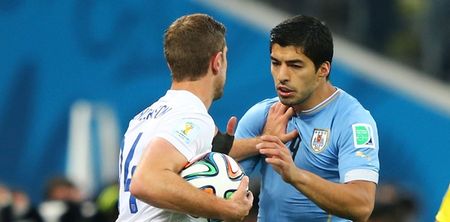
(215,173)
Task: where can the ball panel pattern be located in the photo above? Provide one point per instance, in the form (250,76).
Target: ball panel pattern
(214,173)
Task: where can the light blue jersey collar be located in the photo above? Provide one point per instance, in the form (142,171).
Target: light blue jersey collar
(321,105)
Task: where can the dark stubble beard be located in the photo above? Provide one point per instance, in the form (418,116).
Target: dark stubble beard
(218,92)
(292,103)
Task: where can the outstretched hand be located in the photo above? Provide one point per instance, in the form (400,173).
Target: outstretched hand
(277,121)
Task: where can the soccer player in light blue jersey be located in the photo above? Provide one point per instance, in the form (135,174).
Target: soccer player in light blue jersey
(330,170)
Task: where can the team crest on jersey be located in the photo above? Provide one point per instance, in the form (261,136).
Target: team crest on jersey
(320,139)
(187,131)
(363,136)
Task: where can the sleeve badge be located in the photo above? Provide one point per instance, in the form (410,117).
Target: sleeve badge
(187,131)
(363,135)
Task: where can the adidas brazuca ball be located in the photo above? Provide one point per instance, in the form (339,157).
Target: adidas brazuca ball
(215,173)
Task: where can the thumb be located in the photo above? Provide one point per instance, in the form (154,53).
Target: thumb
(231,126)
(244,191)
(243,186)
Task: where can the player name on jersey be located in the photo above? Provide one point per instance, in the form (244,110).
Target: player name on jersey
(152,112)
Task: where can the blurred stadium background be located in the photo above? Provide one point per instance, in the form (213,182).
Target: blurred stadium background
(72,74)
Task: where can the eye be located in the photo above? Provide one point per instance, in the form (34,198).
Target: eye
(296,66)
(275,63)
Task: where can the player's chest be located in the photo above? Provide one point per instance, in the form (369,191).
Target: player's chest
(316,140)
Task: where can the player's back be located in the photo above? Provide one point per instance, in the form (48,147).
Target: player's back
(164,119)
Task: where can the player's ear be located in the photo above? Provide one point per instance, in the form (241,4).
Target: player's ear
(324,69)
(216,62)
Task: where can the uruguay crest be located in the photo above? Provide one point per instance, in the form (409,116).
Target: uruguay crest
(320,139)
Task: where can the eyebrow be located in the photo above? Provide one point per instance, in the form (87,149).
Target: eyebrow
(293,61)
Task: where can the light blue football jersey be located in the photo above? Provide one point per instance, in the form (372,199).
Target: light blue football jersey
(338,140)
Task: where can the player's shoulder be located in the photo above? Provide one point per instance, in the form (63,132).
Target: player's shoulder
(352,111)
(264,105)
(348,103)
(174,106)
(184,104)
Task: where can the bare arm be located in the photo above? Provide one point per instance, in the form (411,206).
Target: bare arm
(276,124)
(354,200)
(157,182)
(244,148)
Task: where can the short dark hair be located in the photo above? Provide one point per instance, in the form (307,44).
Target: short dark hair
(307,33)
(190,42)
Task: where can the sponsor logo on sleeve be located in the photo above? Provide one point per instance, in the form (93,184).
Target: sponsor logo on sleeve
(363,155)
(187,131)
(363,136)
(320,139)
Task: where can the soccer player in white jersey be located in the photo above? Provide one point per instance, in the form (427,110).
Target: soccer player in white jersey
(162,138)
(330,170)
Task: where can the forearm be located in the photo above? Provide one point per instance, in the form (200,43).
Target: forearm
(244,148)
(354,200)
(173,193)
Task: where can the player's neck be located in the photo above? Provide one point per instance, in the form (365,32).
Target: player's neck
(321,94)
(199,88)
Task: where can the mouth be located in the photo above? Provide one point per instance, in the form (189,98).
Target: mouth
(284,91)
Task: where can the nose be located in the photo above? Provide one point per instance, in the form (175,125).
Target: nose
(283,75)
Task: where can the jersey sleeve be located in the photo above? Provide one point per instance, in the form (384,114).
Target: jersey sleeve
(252,125)
(190,133)
(358,149)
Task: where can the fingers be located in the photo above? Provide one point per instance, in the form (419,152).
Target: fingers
(242,200)
(282,110)
(289,136)
(267,145)
(277,122)
(243,186)
(270,138)
(245,192)
(231,126)
(289,113)
(275,162)
(269,152)
(279,107)
(272,146)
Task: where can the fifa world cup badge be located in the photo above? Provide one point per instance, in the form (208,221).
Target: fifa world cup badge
(319,139)
(187,131)
(363,136)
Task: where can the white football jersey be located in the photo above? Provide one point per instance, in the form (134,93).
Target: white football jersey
(182,119)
